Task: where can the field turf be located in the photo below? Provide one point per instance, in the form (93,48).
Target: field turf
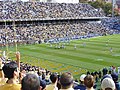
(77,57)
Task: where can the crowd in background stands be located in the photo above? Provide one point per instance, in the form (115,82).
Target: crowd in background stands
(112,23)
(47,31)
(108,78)
(40,10)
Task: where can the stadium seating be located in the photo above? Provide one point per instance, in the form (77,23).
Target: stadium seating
(112,23)
(47,31)
(43,11)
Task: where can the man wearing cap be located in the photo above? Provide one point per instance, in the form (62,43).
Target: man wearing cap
(108,84)
(81,86)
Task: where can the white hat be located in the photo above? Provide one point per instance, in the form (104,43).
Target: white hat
(82,77)
(108,83)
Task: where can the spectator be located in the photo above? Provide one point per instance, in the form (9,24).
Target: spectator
(108,84)
(47,77)
(53,85)
(42,84)
(106,76)
(1,72)
(81,86)
(89,82)
(104,71)
(30,82)
(2,78)
(11,72)
(66,81)
(99,74)
(115,79)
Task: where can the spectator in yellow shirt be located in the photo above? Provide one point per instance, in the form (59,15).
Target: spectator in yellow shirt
(11,72)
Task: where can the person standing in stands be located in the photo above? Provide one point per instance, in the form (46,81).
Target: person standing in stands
(81,86)
(66,81)
(108,84)
(53,85)
(11,71)
(30,82)
(1,72)
(115,79)
(104,71)
(2,78)
(89,82)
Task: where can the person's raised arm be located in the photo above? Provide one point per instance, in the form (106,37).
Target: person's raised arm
(1,71)
(18,59)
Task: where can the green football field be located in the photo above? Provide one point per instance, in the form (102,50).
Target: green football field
(77,57)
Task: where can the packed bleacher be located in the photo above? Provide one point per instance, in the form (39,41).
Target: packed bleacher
(39,10)
(47,31)
(44,31)
(41,30)
(112,23)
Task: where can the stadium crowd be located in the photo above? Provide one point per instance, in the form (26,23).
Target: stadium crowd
(112,23)
(17,75)
(50,30)
(39,10)
(47,31)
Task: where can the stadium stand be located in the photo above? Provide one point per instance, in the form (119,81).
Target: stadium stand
(36,22)
(39,10)
(112,23)
(55,32)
